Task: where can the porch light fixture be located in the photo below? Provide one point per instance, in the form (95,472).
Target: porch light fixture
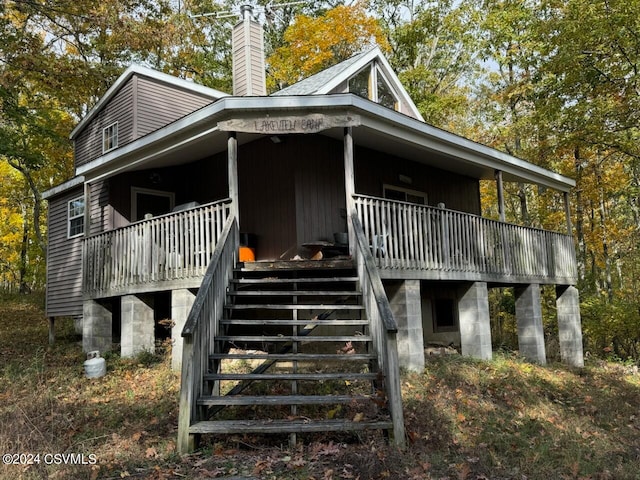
(275,139)
(405,179)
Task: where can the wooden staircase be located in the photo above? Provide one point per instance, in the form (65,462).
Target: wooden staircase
(293,354)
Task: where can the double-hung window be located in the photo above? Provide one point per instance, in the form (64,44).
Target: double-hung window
(109,137)
(75,215)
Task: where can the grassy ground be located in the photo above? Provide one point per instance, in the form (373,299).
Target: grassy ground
(466,420)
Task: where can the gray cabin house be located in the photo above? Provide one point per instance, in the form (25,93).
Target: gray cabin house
(324,230)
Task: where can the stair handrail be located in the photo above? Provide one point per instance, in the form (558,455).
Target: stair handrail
(383,327)
(201,328)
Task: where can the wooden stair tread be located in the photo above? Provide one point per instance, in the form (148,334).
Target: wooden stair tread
(294,338)
(291,376)
(289,306)
(289,322)
(292,357)
(268,280)
(284,426)
(292,293)
(282,399)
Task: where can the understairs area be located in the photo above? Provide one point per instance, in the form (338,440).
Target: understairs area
(295,355)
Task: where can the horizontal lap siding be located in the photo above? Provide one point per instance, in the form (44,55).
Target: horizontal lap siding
(160,104)
(64,261)
(88,144)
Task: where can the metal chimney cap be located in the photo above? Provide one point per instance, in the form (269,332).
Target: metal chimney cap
(246,11)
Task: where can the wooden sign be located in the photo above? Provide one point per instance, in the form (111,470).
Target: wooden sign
(312,123)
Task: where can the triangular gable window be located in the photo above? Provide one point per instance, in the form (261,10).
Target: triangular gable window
(370,83)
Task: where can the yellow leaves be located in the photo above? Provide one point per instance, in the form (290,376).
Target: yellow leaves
(314,43)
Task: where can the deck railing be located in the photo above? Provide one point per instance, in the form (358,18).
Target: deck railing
(459,245)
(173,247)
(383,328)
(201,329)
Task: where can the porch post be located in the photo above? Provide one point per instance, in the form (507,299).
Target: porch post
(567,212)
(232,156)
(87,209)
(349,184)
(500,186)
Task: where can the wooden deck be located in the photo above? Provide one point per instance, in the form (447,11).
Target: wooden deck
(407,241)
(161,253)
(420,242)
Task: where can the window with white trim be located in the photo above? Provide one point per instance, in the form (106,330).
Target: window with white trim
(404,194)
(75,217)
(109,137)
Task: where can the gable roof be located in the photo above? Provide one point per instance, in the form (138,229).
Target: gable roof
(150,73)
(325,81)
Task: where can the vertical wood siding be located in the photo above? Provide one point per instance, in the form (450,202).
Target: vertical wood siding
(101,211)
(457,192)
(267,196)
(291,192)
(64,261)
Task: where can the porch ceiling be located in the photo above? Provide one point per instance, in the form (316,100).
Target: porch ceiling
(197,136)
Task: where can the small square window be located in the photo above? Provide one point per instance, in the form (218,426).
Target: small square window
(75,217)
(110,137)
(444,315)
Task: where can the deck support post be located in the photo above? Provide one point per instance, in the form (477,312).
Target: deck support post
(349,184)
(232,173)
(473,317)
(52,330)
(500,187)
(181,303)
(406,306)
(137,332)
(569,327)
(529,319)
(96,326)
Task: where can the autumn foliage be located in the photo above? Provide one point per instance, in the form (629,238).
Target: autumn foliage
(312,44)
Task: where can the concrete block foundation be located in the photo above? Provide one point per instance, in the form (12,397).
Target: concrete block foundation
(569,325)
(96,326)
(529,319)
(181,303)
(137,325)
(474,320)
(406,305)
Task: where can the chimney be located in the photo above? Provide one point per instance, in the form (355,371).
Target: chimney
(248,56)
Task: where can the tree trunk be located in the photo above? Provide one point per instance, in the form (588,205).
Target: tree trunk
(23,287)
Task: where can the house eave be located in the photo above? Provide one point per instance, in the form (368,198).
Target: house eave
(389,125)
(63,187)
(147,72)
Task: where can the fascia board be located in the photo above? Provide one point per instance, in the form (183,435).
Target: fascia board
(147,72)
(349,72)
(63,187)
